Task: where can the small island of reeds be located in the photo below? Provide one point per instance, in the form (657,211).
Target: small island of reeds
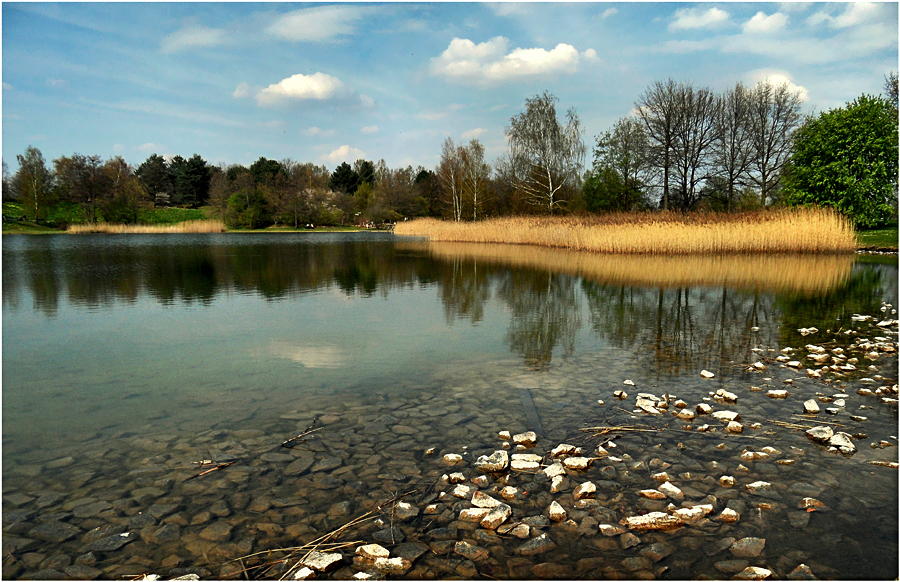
(775,231)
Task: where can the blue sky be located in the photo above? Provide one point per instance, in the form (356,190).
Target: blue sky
(327,83)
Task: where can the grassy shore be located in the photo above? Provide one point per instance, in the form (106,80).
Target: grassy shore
(190,226)
(777,231)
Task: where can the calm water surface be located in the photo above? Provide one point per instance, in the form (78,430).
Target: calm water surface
(128,358)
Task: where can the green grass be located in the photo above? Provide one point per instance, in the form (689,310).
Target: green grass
(882,238)
(166,216)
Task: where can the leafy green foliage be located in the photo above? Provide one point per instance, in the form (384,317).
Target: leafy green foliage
(846,159)
(247,209)
(344,179)
(604,190)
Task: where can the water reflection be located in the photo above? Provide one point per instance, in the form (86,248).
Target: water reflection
(672,311)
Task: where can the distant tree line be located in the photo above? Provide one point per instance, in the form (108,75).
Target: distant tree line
(682,148)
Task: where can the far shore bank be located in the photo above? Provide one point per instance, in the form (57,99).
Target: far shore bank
(776,231)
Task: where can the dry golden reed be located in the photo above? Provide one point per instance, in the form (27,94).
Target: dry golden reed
(191,226)
(775,231)
(799,273)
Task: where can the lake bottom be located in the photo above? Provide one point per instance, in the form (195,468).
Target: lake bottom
(131,500)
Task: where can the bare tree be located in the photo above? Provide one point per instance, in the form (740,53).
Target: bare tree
(693,136)
(450,175)
(890,88)
(475,174)
(550,155)
(658,109)
(732,148)
(774,115)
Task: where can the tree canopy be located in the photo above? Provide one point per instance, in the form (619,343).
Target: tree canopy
(846,158)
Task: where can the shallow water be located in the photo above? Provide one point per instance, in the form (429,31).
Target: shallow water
(128,358)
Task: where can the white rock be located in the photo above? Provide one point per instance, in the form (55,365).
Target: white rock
(728,515)
(611,530)
(562,449)
(496,517)
(524,465)
(526,438)
(498,461)
(557,513)
(504,435)
(758,486)
(628,383)
(819,434)
(304,573)
(452,458)
(577,463)
(671,491)
(655,520)
(723,395)
(480,499)
(707,374)
(321,561)
(777,393)
(734,427)
(372,551)
(704,408)
(585,490)
(558,483)
(726,416)
(473,514)
(462,491)
(554,470)
(843,442)
(811,407)
(529,457)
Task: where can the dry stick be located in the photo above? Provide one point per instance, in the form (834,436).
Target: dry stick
(819,421)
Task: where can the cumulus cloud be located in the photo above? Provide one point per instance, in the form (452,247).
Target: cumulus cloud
(489,61)
(776,77)
(242,90)
(315,88)
(590,55)
(691,18)
(855,13)
(369,130)
(473,133)
(316,132)
(609,12)
(148,147)
(344,153)
(760,23)
(318,24)
(194,37)
(7,87)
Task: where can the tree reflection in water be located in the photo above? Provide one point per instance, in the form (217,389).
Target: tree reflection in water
(677,313)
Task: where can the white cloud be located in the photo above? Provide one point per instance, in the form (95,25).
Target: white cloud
(590,55)
(149,147)
(344,153)
(318,24)
(369,130)
(509,8)
(488,61)
(855,13)
(188,38)
(690,18)
(7,87)
(609,12)
(316,132)
(473,133)
(776,77)
(760,23)
(315,87)
(118,148)
(56,82)
(242,90)
(794,6)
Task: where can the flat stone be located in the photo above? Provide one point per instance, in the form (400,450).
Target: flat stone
(326,464)
(629,540)
(610,530)
(713,548)
(410,550)
(537,545)
(82,572)
(517,465)
(554,470)
(726,416)
(811,407)
(474,514)
(657,551)
(471,552)
(17,499)
(753,573)
(404,510)
(322,561)
(300,465)
(496,462)
(843,442)
(396,566)
(577,463)
(731,566)
(748,547)
(526,438)
(585,491)
(219,531)
(110,543)
(160,510)
(59,463)
(655,520)
(54,531)
(758,487)
(820,434)
(480,499)
(496,516)
(390,535)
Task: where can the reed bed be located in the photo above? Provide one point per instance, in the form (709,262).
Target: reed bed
(793,273)
(777,231)
(190,226)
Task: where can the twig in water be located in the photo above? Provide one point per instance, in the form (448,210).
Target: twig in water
(218,467)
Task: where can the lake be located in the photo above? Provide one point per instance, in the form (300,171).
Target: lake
(134,364)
